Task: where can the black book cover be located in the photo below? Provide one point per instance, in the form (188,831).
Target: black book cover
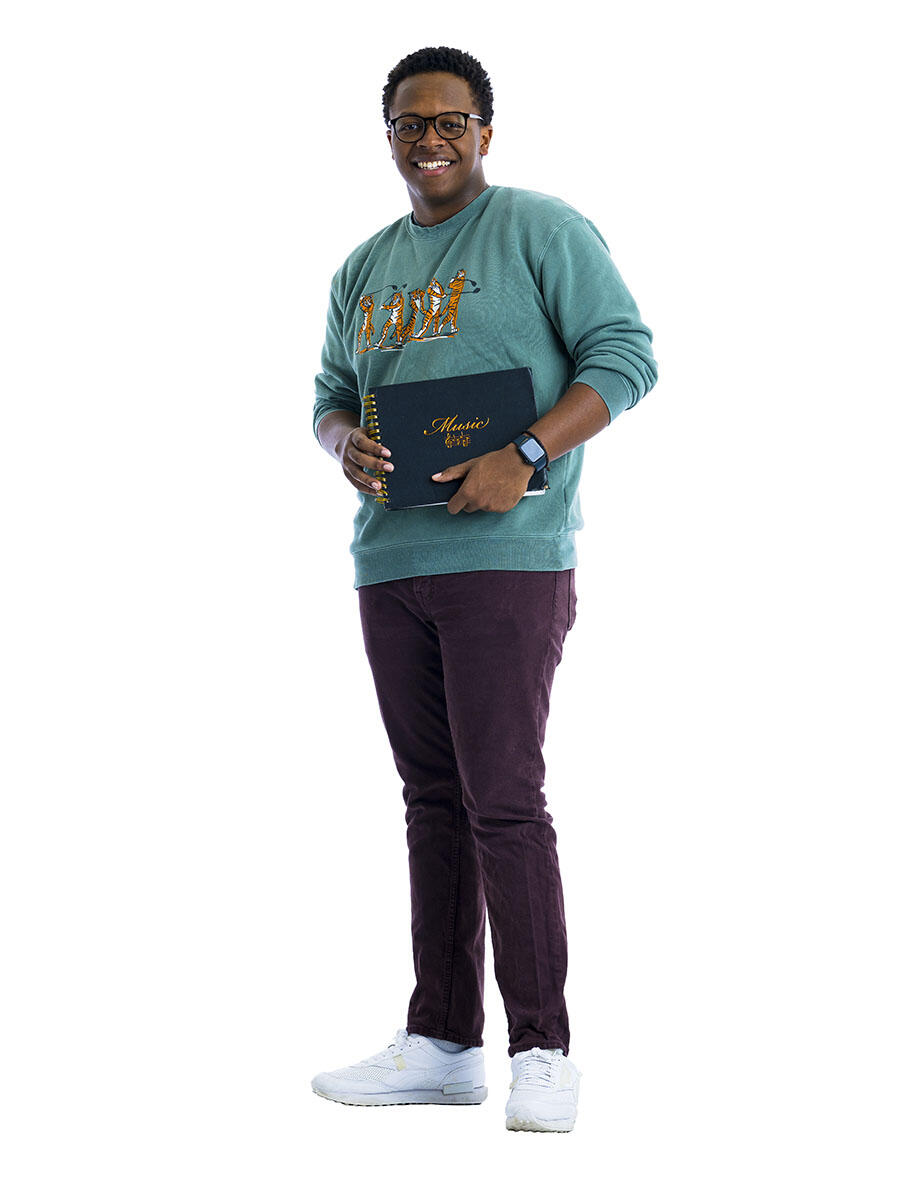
(432,424)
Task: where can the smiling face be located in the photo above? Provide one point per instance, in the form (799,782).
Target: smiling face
(455,174)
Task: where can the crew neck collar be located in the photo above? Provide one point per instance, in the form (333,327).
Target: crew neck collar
(452,224)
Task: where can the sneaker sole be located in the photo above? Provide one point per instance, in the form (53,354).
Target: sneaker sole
(423,1097)
(533,1125)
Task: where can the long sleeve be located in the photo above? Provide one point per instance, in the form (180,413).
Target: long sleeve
(514,279)
(336,384)
(596,316)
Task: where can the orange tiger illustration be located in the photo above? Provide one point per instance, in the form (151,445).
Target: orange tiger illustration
(457,283)
(437,293)
(438,320)
(367,304)
(392,325)
(415,298)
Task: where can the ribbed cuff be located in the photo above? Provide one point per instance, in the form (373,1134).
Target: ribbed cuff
(618,392)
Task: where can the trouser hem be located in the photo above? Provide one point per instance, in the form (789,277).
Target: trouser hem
(444,1035)
(547,1044)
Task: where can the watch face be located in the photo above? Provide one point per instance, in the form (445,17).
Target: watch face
(532,448)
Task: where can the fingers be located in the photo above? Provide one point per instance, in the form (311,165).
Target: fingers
(365,452)
(361,453)
(458,471)
(460,502)
(491,483)
(467,500)
(363,483)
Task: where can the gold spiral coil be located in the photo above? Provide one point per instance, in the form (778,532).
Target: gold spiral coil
(373,429)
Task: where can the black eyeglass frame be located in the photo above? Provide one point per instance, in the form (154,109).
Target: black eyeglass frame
(392,121)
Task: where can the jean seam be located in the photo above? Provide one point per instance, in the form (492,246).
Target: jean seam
(452,904)
(537,698)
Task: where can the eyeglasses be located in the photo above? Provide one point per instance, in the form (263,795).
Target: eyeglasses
(449,126)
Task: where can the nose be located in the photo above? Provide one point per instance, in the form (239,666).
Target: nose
(435,138)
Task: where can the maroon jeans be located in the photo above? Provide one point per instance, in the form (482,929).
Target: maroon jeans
(463,664)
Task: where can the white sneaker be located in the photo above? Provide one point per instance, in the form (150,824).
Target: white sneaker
(412,1070)
(544,1095)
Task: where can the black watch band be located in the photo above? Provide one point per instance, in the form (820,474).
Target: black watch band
(531,449)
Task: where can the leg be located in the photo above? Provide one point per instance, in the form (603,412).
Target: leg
(448,907)
(502,636)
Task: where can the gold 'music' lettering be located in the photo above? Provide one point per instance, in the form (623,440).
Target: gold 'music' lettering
(454,425)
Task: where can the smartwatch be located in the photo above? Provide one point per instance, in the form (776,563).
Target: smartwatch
(531,450)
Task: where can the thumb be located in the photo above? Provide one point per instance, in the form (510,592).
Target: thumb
(455,472)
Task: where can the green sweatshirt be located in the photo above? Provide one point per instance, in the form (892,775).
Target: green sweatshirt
(515,279)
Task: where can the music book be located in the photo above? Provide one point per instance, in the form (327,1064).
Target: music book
(433,424)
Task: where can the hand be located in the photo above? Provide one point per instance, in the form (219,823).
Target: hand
(355,451)
(494,482)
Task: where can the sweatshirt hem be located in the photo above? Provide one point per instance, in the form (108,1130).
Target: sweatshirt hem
(411,559)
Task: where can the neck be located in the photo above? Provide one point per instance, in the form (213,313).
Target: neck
(434,214)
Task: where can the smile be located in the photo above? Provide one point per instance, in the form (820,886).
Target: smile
(434,165)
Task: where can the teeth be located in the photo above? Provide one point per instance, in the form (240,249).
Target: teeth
(430,166)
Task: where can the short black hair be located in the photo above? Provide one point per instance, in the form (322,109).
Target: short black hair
(443,58)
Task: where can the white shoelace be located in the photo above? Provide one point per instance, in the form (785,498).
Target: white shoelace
(538,1068)
(396,1046)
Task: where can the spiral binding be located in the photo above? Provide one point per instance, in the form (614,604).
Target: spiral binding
(370,417)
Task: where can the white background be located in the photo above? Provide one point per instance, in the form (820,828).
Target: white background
(203,872)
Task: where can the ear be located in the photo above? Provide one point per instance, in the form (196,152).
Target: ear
(390,139)
(487,132)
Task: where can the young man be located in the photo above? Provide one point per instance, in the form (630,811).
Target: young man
(465,606)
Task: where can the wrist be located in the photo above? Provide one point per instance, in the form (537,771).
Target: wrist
(531,450)
(511,450)
(334,429)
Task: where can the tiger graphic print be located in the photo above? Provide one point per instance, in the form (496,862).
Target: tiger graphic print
(434,309)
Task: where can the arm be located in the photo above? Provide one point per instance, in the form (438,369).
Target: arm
(341,435)
(575,418)
(336,412)
(496,482)
(600,326)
